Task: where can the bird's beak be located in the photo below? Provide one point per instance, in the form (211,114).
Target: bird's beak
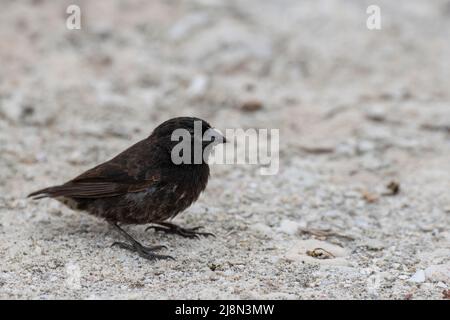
(215,136)
(220,138)
(224,140)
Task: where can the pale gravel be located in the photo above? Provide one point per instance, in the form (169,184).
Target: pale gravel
(379,99)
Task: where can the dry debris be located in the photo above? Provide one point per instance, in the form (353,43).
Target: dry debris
(317,150)
(251,106)
(324,234)
(320,253)
(393,187)
(369,197)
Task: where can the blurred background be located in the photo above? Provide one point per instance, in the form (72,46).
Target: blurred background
(357,109)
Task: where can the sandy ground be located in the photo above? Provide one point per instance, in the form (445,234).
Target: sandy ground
(356,110)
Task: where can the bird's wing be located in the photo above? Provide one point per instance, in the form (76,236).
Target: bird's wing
(127,172)
(91,189)
(95,189)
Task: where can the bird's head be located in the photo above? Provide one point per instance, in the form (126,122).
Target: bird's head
(191,134)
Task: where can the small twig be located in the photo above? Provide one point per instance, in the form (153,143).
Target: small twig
(435,127)
(317,150)
(324,233)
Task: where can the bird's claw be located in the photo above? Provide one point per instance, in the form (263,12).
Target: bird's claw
(184,232)
(125,245)
(143,251)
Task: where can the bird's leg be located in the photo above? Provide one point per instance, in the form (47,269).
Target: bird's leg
(135,246)
(168,227)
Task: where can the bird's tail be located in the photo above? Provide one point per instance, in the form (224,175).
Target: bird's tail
(45,193)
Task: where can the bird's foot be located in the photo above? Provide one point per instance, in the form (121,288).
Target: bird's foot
(143,251)
(134,246)
(184,232)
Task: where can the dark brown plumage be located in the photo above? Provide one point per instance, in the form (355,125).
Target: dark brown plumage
(140,185)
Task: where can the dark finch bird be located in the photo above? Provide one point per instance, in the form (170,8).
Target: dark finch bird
(143,184)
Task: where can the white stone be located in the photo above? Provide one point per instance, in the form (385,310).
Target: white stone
(198,86)
(418,277)
(262,229)
(289,226)
(186,25)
